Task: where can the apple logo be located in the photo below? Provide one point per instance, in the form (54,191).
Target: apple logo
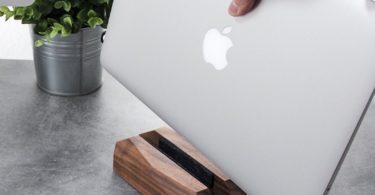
(216,46)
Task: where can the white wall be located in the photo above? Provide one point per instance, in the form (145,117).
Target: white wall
(15,40)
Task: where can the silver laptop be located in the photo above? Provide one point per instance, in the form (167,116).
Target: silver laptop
(272,98)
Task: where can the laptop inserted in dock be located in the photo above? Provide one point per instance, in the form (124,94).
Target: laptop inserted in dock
(272,98)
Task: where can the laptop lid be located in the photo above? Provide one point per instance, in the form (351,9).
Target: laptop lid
(272,98)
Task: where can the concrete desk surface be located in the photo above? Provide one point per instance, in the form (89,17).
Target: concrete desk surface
(60,145)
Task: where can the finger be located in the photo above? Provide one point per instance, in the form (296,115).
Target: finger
(241,7)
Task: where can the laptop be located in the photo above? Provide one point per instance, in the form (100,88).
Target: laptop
(272,98)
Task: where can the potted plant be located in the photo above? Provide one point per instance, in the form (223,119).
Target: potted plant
(68,36)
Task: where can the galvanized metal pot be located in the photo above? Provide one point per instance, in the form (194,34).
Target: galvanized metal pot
(70,66)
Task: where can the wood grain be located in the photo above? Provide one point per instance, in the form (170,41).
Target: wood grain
(139,162)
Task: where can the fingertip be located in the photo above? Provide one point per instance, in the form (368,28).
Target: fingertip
(242,9)
(233,9)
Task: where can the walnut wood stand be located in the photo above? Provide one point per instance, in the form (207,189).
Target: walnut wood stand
(162,162)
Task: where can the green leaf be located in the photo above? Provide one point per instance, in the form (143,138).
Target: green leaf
(29,12)
(48,38)
(58,26)
(91,13)
(51,20)
(37,16)
(4,9)
(66,31)
(76,3)
(66,5)
(82,15)
(8,15)
(19,13)
(67,19)
(95,21)
(39,43)
(45,7)
(53,33)
(42,26)
(103,1)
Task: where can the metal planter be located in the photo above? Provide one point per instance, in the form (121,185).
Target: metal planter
(70,66)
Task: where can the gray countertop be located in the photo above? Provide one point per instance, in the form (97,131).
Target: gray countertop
(60,145)
(357,174)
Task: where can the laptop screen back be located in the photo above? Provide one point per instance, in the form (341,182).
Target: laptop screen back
(272,98)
